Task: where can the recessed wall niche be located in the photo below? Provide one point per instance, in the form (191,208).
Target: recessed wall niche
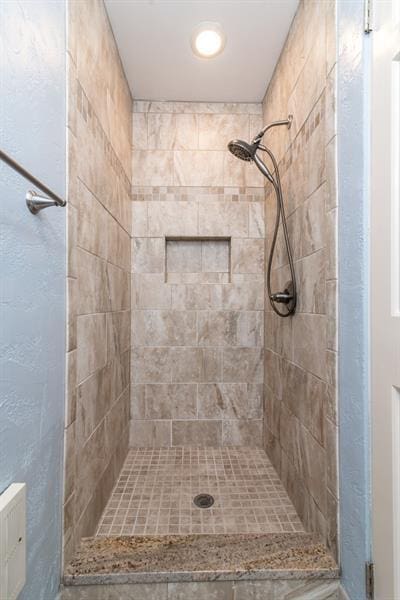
(198,260)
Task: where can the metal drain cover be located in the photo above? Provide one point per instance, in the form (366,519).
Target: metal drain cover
(203,500)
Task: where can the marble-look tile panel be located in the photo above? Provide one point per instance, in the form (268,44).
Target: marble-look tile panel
(196,433)
(139,131)
(70,399)
(164,328)
(168,131)
(149,291)
(92,351)
(216,130)
(310,272)
(239,173)
(138,591)
(173,219)
(163,401)
(151,106)
(309,343)
(286,590)
(256,220)
(152,167)
(202,590)
(247,255)
(242,432)
(304,355)
(149,433)
(151,365)
(243,365)
(230,401)
(196,167)
(139,219)
(223,219)
(148,255)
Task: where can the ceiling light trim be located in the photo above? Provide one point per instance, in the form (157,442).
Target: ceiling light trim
(211,45)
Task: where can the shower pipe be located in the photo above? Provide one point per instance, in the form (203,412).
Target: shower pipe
(248,153)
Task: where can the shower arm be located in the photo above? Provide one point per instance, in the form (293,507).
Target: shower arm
(260,135)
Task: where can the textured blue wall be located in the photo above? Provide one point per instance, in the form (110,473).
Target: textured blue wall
(353,168)
(32,250)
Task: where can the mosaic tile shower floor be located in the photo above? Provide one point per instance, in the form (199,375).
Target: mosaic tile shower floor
(155,490)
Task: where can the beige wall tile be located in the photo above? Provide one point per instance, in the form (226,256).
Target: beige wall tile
(172,131)
(243,365)
(310,273)
(138,591)
(139,131)
(99,221)
(247,255)
(242,432)
(139,219)
(176,401)
(148,255)
(138,401)
(118,333)
(215,256)
(309,343)
(70,399)
(150,291)
(92,348)
(151,365)
(250,329)
(196,433)
(197,271)
(185,364)
(119,245)
(172,219)
(239,173)
(92,224)
(216,130)
(193,296)
(119,288)
(204,590)
(223,219)
(152,167)
(149,433)
(194,167)
(184,256)
(218,328)
(164,328)
(230,401)
(211,364)
(256,220)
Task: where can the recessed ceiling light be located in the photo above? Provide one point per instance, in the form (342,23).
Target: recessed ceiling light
(208,40)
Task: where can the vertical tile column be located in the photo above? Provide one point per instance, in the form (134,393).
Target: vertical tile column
(197,342)
(300,421)
(99,265)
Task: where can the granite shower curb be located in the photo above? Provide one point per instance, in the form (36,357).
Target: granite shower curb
(190,576)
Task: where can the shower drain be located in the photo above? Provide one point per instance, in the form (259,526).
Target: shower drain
(203,500)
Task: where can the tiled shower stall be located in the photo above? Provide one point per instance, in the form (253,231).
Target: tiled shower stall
(180,377)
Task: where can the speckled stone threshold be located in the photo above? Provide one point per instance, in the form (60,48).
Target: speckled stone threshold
(155,559)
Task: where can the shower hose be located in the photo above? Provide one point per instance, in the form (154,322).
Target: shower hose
(289,296)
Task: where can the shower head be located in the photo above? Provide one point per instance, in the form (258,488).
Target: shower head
(248,153)
(242,150)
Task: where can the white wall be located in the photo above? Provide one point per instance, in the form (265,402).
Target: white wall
(32,249)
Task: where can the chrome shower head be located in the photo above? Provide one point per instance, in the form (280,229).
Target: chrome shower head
(248,153)
(242,150)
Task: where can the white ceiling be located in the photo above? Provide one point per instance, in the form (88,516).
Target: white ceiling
(153,38)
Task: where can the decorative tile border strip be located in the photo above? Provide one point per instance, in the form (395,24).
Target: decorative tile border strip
(180,193)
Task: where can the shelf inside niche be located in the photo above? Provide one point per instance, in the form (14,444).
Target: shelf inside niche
(198,260)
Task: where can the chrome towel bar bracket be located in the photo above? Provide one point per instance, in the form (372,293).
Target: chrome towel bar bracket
(35,202)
